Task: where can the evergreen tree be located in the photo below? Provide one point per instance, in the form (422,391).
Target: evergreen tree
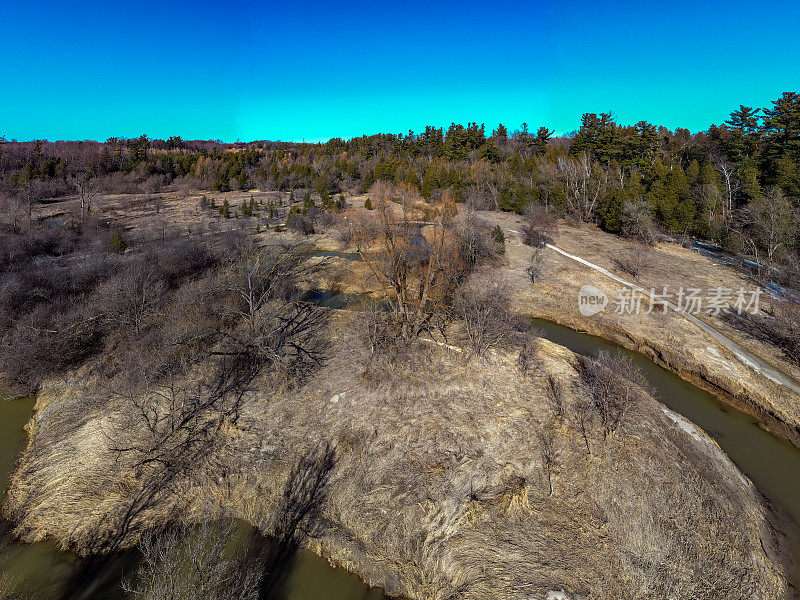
(542,135)
(743,124)
(500,134)
(498,235)
(308,203)
(117,243)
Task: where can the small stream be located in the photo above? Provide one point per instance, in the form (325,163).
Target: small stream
(770,462)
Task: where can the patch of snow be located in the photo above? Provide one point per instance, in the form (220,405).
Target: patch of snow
(686,425)
(700,436)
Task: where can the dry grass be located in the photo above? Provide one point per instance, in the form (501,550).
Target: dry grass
(439,488)
(455,476)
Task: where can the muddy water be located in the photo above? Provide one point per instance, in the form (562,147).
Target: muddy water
(42,570)
(771,463)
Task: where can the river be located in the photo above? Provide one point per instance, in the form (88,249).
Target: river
(41,570)
(771,463)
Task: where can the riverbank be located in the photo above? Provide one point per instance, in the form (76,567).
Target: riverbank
(666,338)
(440,485)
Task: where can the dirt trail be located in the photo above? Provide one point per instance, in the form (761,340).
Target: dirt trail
(748,358)
(746,373)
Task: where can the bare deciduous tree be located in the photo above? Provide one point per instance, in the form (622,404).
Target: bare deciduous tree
(548,452)
(482,307)
(633,261)
(614,384)
(773,219)
(637,221)
(585,183)
(194,562)
(415,270)
(727,170)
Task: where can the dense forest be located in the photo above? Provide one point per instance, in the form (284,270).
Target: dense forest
(737,184)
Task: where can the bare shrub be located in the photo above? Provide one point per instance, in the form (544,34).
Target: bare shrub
(195,562)
(614,384)
(482,307)
(634,261)
(380,331)
(300,223)
(131,297)
(528,360)
(540,228)
(536,265)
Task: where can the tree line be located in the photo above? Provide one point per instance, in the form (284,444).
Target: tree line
(736,183)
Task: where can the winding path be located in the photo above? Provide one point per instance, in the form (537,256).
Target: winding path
(756,363)
(748,358)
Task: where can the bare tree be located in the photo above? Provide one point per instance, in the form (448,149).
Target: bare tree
(637,221)
(133,295)
(547,178)
(482,307)
(773,219)
(416,271)
(585,183)
(14,212)
(83,183)
(727,170)
(195,562)
(555,397)
(633,261)
(540,228)
(614,384)
(709,197)
(547,452)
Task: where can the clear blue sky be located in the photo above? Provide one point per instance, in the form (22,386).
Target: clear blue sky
(314,70)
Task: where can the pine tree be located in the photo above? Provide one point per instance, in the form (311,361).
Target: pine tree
(368,203)
(308,203)
(117,243)
(498,235)
(225,209)
(743,124)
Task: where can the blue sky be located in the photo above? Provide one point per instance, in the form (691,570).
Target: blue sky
(315,70)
